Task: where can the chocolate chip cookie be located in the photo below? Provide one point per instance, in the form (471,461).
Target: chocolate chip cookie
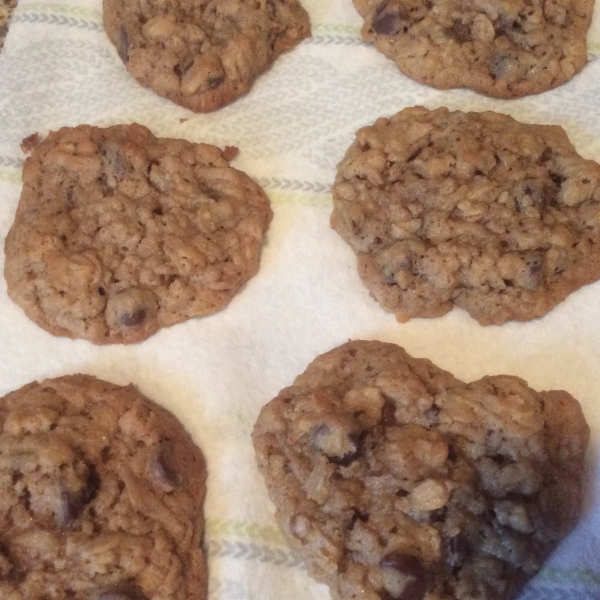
(394,480)
(475,210)
(202,54)
(101,494)
(503,49)
(119,233)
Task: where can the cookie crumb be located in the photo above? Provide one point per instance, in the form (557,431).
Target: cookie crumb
(30,143)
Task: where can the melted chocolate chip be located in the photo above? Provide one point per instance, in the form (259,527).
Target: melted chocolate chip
(72,503)
(345,460)
(459,32)
(128,319)
(455,551)
(500,65)
(417,578)
(131,307)
(123,43)
(339,440)
(162,466)
(358,516)
(557,179)
(388,412)
(389,18)
(214,81)
(182,68)
(535,271)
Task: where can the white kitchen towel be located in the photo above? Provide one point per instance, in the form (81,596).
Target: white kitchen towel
(58,68)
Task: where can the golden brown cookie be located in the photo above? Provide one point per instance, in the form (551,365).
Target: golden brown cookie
(394,480)
(119,233)
(499,48)
(101,495)
(475,210)
(202,54)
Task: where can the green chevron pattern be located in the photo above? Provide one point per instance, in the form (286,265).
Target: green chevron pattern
(246,530)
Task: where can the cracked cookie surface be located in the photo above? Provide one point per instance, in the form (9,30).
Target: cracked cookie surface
(505,49)
(101,495)
(475,210)
(202,54)
(394,480)
(119,233)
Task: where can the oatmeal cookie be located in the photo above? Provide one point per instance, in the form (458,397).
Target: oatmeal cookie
(394,480)
(101,495)
(119,233)
(202,54)
(475,210)
(505,49)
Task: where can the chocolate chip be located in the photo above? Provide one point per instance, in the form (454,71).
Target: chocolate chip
(557,179)
(7,568)
(455,551)
(344,461)
(459,32)
(130,307)
(534,271)
(416,580)
(115,167)
(388,412)
(123,43)
(72,503)
(129,319)
(357,515)
(162,465)
(504,26)
(119,166)
(214,81)
(340,445)
(501,65)
(389,18)
(182,68)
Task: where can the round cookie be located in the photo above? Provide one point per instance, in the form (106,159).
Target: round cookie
(202,54)
(395,481)
(502,49)
(119,233)
(475,210)
(101,495)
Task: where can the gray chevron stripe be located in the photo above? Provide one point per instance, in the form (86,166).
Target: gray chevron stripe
(253,552)
(291,185)
(61,20)
(269,183)
(50,19)
(9,161)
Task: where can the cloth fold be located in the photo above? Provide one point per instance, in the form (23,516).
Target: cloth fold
(58,68)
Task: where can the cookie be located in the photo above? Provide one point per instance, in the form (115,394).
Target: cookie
(119,233)
(394,480)
(475,210)
(202,54)
(101,495)
(502,49)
